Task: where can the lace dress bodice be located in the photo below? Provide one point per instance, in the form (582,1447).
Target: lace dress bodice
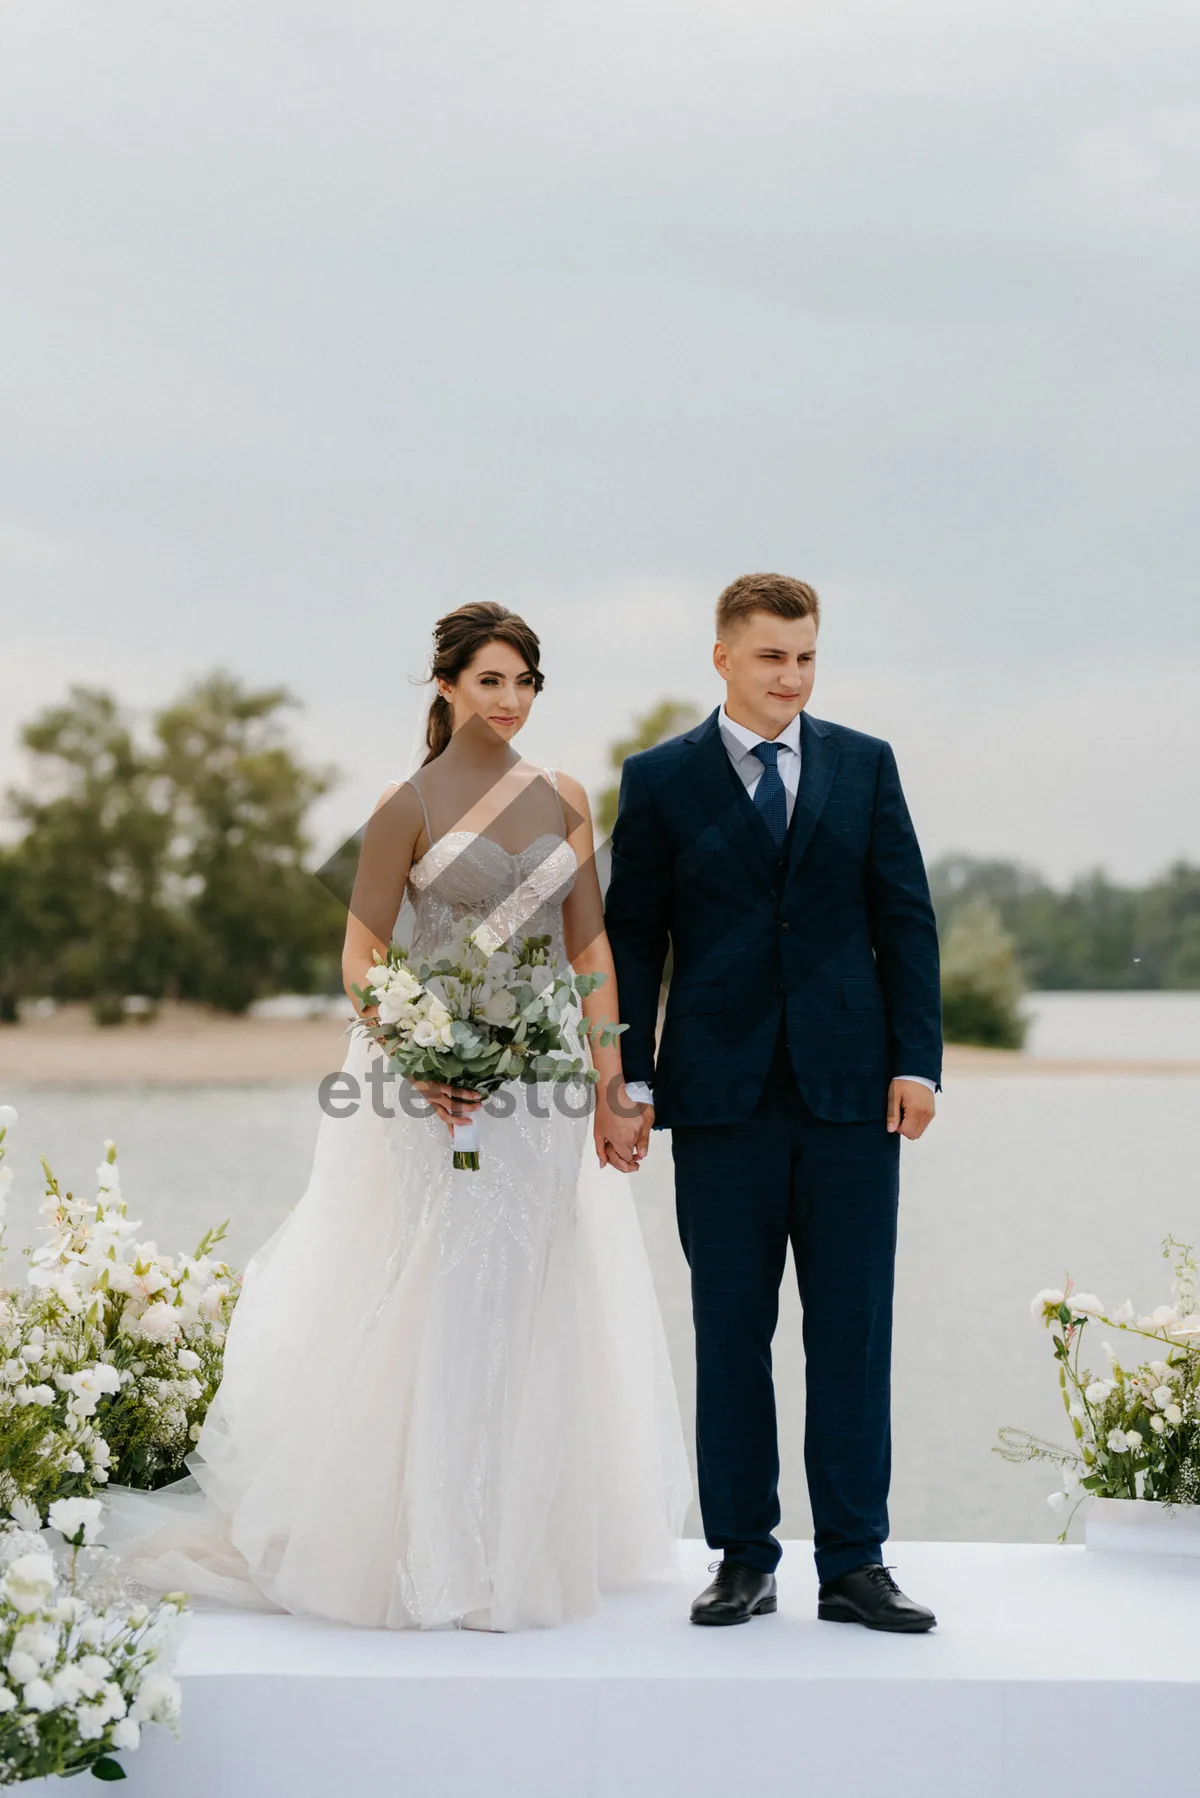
(517,893)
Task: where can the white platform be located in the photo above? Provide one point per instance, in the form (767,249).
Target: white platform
(1052,1669)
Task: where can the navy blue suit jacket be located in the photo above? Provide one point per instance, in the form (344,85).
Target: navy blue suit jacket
(835,928)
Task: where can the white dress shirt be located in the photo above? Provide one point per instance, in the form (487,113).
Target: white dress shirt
(740,741)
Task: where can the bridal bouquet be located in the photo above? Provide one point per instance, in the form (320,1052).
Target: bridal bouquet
(1136,1429)
(82,1670)
(110,1353)
(480,1015)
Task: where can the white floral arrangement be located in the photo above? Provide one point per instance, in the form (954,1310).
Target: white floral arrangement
(110,1352)
(479,1014)
(1136,1429)
(82,1669)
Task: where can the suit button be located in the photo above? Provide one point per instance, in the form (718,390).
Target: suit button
(785,928)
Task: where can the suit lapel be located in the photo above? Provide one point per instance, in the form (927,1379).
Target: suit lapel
(725,798)
(818,763)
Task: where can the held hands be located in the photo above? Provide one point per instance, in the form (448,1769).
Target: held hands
(620,1129)
(910,1108)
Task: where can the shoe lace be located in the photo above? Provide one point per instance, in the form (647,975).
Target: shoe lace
(722,1569)
(883,1577)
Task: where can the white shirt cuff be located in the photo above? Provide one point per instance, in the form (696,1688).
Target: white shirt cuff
(640,1091)
(919,1080)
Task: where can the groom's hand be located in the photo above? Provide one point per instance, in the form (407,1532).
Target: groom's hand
(910,1108)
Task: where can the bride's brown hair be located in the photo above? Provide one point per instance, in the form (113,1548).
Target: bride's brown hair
(457,639)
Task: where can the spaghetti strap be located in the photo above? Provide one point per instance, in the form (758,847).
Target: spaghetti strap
(553,777)
(416,789)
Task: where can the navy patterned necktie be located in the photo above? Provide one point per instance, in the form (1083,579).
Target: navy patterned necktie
(770,798)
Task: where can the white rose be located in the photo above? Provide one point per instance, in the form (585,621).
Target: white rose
(1098,1391)
(8,1700)
(73,1516)
(1087,1304)
(188,1359)
(159,1322)
(393,1007)
(29,1582)
(126,1734)
(38,1696)
(158,1699)
(499,1008)
(1162,1396)
(1157,1424)
(1117,1441)
(91,1720)
(1135,1440)
(541,978)
(424,1034)
(1173,1415)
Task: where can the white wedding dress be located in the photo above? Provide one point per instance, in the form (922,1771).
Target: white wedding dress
(447,1395)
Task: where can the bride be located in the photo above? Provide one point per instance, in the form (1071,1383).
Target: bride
(447,1399)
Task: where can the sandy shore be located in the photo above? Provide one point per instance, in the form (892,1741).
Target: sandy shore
(187,1045)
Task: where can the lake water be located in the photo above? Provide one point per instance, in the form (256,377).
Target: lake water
(1020,1179)
(1114,1026)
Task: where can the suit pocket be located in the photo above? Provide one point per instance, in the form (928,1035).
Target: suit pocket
(709,996)
(861,992)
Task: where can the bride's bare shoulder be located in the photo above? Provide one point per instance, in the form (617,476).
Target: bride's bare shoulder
(402,805)
(574,794)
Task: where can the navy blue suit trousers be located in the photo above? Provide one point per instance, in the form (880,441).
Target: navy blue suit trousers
(743,1191)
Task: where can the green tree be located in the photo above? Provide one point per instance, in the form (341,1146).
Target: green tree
(173,866)
(981,982)
(258,921)
(667,719)
(85,878)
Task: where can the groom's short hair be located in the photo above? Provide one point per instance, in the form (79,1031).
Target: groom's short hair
(777,593)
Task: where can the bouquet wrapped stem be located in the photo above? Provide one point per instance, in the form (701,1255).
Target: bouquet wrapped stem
(479,1015)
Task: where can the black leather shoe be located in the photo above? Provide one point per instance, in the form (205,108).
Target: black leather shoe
(737,1594)
(869,1595)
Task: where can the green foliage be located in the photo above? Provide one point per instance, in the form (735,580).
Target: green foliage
(666,719)
(981,983)
(174,866)
(1095,936)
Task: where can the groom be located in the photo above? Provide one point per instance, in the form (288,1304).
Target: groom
(774,855)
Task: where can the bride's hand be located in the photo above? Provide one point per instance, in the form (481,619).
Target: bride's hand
(450,1102)
(617,1129)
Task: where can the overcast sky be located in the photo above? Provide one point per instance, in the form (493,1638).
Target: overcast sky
(319,319)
